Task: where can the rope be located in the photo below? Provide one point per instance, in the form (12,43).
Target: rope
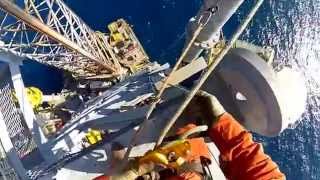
(74,156)
(158,97)
(209,71)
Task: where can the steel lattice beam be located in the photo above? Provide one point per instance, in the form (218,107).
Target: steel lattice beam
(49,32)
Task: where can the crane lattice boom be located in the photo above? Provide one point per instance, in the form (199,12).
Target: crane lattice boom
(51,33)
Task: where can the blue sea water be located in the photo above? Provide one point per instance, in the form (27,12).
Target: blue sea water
(290,26)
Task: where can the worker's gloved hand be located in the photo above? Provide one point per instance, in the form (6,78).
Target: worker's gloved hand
(210,104)
(204,106)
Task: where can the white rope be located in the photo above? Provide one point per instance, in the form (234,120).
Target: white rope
(209,71)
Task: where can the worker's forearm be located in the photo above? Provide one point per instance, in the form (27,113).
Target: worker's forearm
(241,157)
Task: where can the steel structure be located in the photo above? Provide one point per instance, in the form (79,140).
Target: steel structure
(16,127)
(49,32)
(7,172)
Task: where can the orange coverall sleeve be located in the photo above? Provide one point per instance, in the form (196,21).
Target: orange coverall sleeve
(241,157)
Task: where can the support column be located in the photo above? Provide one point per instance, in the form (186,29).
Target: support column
(21,94)
(11,153)
(14,63)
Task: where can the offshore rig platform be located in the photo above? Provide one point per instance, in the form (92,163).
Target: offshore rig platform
(113,92)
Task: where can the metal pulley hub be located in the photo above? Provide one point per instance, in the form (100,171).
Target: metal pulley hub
(254,93)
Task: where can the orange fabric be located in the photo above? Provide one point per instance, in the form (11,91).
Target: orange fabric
(102,177)
(241,157)
(198,149)
(185,128)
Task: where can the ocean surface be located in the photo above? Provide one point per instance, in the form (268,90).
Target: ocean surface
(290,26)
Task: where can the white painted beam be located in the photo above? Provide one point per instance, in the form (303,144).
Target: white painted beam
(11,153)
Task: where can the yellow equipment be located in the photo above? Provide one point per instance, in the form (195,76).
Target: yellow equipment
(171,155)
(117,32)
(93,136)
(34,96)
(113,27)
(117,37)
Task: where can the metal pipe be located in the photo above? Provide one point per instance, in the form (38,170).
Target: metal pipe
(158,97)
(209,71)
(37,25)
(221,10)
